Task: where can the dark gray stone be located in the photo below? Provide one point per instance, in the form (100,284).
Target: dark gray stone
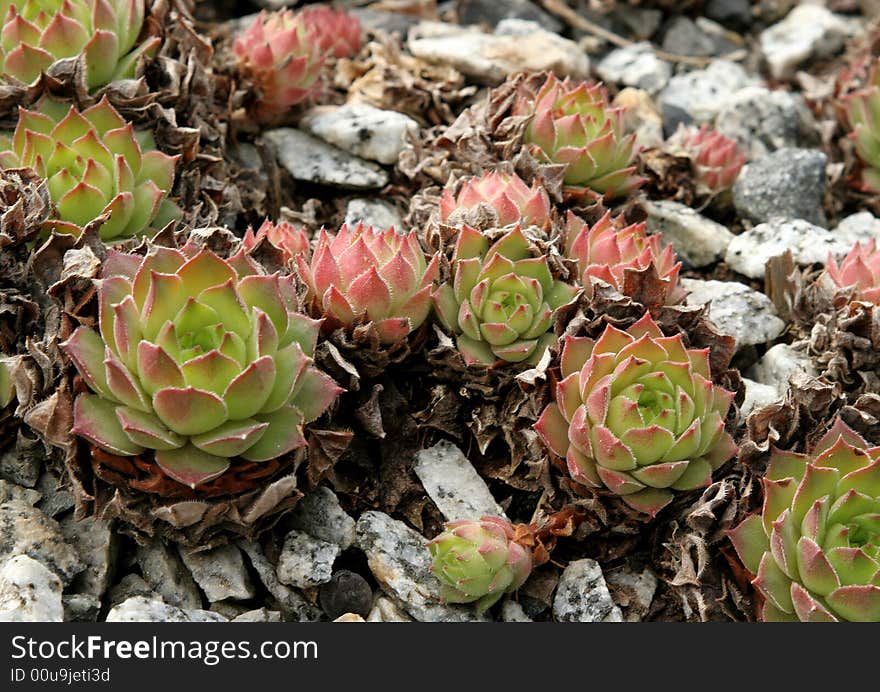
(734,14)
(684,37)
(493,11)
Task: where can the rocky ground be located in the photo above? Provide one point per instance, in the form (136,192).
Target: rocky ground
(762,73)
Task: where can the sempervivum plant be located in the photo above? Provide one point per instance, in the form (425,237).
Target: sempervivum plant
(637,413)
(479,561)
(94,163)
(573,123)
(814,549)
(103,34)
(716,159)
(292,241)
(504,196)
(337,33)
(610,250)
(282,56)
(500,300)
(199,359)
(862,110)
(860,270)
(370,278)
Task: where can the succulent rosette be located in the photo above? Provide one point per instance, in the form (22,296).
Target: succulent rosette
(479,561)
(860,270)
(283,57)
(815,547)
(862,110)
(505,195)
(573,123)
(284,236)
(365,276)
(337,33)
(610,250)
(103,34)
(501,300)
(198,359)
(637,413)
(717,161)
(95,163)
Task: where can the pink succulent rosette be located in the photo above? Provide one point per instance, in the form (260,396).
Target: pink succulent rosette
(573,123)
(859,270)
(198,359)
(505,194)
(814,549)
(336,31)
(102,34)
(862,111)
(283,58)
(284,236)
(365,276)
(637,413)
(609,250)
(716,159)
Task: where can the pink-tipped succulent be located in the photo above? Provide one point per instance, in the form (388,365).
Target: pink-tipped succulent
(377,279)
(716,159)
(94,163)
(610,250)
(198,359)
(637,413)
(284,236)
(479,561)
(505,197)
(101,34)
(573,123)
(282,57)
(860,270)
(501,300)
(814,549)
(862,109)
(336,31)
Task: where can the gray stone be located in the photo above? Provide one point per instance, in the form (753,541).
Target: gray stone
(346,592)
(697,240)
(807,32)
(375,213)
(362,130)
(633,591)
(745,314)
(401,563)
(80,607)
(11,491)
(29,592)
(130,585)
(642,22)
(684,37)
(387,22)
(385,610)
(762,121)
(141,609)
(311,159)
(290,602)
(778,365)
(22,462)
(582,595)
(453,483)
(319,514)
(259,615)
(749,252)
(25,530)
(306,561)
(164,571)
(511,611)
(56,497)
(491,12)
(490,58)
(757,395)
(637,66)
(698,96)
(736,14)
(96,546)
(862,227)
(789,183)
(220,572)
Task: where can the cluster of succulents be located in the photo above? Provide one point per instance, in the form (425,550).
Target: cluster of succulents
(862,108)
(637,413)
(573,123)
(478,561)
(501,299)
(859,270)
(504,196)
(198,359)
(716,159)
(95,163)
(814,550)
(102,36)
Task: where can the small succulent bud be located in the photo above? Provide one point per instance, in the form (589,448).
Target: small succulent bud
(860,270)
(504,195)
(716,159)
(336,31)
(284,236)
